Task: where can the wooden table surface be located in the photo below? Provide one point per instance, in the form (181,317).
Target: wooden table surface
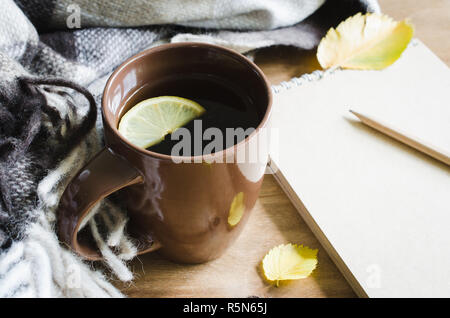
(274,220)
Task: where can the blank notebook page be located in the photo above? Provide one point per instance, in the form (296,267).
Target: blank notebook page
(383,206)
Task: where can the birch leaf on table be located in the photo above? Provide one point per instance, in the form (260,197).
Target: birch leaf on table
(288,262)
(366,42)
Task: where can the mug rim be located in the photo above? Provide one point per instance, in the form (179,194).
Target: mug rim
(168,46)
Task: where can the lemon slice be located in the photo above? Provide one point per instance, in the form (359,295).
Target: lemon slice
(148,122)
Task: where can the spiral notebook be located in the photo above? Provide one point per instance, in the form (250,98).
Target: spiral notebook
(380,209)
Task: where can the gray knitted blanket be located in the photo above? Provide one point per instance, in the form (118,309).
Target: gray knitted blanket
(55,57)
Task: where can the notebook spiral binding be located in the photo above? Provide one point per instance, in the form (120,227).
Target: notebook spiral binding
(314,76)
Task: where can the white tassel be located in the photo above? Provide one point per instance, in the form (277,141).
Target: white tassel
(112,260)
(13,255)
(41,269)
(19,275)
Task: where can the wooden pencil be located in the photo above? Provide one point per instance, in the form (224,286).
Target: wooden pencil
(408,140)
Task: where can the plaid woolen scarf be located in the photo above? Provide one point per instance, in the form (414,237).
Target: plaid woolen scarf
(51,79)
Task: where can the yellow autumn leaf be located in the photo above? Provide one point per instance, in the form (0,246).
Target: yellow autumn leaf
(237,209)
(366,42)
(289,261)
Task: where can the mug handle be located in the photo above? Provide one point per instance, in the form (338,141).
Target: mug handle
(104,174)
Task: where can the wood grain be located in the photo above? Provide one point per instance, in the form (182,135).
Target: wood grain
(274,220)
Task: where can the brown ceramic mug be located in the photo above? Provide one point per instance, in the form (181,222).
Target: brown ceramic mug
(182,209)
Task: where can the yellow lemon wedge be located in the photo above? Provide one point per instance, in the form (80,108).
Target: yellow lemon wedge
(148,122)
